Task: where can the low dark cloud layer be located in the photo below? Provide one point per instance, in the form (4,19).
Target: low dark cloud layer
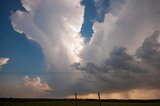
(123,71)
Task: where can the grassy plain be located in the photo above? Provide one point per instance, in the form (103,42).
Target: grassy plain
(72,102)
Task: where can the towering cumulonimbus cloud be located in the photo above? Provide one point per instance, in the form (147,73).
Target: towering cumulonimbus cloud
(55,25)
(123,53)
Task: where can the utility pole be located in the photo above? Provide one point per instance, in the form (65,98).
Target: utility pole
(99,99)
(76,98)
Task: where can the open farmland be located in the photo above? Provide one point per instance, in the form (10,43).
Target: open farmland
(79,102)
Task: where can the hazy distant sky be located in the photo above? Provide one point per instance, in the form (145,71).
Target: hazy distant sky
(53,48)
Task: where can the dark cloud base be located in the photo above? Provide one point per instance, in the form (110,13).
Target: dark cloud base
(122,71)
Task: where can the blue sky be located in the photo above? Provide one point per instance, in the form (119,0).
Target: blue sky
(51,48)
(91,16)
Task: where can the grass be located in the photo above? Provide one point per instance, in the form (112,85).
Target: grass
(72,102)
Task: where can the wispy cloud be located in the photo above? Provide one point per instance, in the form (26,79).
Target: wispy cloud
(25,87)
(3,61)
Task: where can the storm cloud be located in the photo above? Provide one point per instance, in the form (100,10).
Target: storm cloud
(123,53)
(122,71)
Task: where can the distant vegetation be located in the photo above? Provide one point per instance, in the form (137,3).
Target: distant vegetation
(72,102)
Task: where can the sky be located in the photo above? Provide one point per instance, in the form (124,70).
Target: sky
(53,48)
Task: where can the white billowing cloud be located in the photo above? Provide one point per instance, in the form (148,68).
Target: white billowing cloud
(127,24)
(100,42)
(3,61)
(36,84)
(55,25)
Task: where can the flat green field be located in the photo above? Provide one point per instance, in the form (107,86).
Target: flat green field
(71,102)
